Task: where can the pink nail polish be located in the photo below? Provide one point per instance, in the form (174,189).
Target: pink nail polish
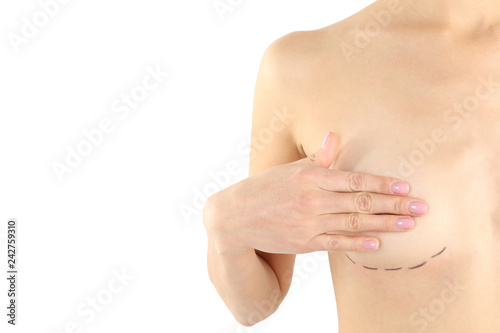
(405,223)
(325,140)
(418,208)
(370,245)
(400,188)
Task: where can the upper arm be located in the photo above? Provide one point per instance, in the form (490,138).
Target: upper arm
(272,139)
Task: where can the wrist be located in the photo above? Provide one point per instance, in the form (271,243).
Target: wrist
(219,228)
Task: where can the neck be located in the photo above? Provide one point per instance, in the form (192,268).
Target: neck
(456,15)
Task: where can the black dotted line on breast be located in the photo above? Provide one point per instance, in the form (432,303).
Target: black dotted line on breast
(398,268)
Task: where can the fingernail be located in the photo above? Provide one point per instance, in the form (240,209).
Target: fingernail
(400,188)
(370,245)
(405,223)
(416,207)
(325,140)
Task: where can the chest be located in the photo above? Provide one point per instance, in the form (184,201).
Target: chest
(444,139)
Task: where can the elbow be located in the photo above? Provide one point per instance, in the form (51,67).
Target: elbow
(258,314)
(244,322)
(253,319)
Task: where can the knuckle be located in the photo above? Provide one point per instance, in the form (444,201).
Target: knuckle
(398,206)
(364,202)
(306,201)
(333,244)
(312,158)
(353,222)
(351,245)
(305,174)
(313,245)
(355,181)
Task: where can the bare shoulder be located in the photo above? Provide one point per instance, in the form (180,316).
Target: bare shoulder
(301,58)
(304,53)
(300,55)
(294,65)
(290,71)
(329,42)
(294,71)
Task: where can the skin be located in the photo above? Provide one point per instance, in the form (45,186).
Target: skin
(394,99)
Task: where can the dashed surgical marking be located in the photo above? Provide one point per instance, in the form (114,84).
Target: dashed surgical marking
(398,268)
(425,262)
(350,259)
(439,253)
(372,268)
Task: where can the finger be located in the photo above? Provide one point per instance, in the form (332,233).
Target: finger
(344,243)
(345,181)
(325,156)
(371,203)
(355,222)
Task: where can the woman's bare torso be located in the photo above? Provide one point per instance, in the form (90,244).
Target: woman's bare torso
(425,108)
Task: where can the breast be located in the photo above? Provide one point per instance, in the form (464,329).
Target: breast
(410,127)
(455,172)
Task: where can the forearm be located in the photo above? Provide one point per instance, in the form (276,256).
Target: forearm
(246,283)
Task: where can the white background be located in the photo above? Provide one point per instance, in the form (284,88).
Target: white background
(120,208)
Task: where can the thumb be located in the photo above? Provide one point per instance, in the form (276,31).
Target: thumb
(325,156)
